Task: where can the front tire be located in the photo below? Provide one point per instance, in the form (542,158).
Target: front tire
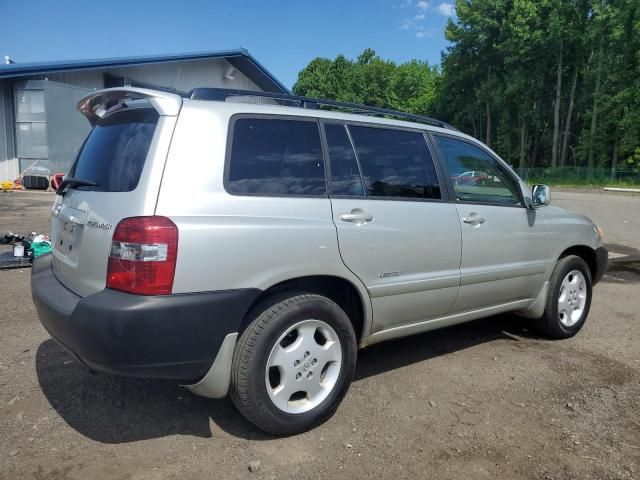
(293,364)
(568,299)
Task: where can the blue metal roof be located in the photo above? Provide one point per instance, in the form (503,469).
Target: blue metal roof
(239,58)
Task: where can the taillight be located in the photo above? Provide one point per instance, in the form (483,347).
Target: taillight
(143,256)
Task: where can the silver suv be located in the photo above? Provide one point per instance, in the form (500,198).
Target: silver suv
(252,246)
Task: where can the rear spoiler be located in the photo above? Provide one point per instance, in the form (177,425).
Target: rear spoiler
(95,105)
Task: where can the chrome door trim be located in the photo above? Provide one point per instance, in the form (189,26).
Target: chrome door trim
(443,280)
(470,276)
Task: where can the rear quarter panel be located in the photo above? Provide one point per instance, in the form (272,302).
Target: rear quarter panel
(85,271)
(231,241)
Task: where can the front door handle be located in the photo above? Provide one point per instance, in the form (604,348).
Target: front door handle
(356,216)
(474,219)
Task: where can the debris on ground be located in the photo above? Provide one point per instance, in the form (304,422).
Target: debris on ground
(25,249)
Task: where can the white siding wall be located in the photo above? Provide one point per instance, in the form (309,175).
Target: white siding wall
(9,169)
(186,75)
(92,79)
(182,76)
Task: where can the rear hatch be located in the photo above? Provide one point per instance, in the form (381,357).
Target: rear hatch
(116,174)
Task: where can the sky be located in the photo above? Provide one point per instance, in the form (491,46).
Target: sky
(284,35)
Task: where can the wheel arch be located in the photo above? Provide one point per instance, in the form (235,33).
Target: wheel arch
(585,252)
(338,289)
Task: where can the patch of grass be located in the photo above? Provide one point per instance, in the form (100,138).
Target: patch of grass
(580,177)
(584,183)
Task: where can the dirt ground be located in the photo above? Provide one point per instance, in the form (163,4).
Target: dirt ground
(487,399)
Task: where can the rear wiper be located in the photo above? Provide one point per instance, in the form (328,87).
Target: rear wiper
(74,182)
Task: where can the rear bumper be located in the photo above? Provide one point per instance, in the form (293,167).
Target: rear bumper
(165,336)
(602,262)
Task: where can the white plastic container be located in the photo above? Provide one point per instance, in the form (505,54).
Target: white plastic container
(18,249)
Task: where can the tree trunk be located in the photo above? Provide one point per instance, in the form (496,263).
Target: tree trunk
(523,144)
(556,111)
(614,156)
(567,123)
(488,136)
(536,144)
(594,115)
(538,130)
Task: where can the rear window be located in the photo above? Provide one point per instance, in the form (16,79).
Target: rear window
(276,157)
(115,151)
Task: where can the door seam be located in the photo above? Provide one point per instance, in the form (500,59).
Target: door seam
(366,331)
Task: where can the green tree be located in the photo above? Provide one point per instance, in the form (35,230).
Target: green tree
(370,80)
(560,77)
(544,82)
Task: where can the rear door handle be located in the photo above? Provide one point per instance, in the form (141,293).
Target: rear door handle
(356,216)
(473,220)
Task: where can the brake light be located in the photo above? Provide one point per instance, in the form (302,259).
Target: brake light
(143,256)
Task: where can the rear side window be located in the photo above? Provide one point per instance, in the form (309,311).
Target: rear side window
(345,175)
(115,151)
(276,157)
(395,163)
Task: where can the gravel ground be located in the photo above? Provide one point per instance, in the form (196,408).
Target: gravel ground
(488,399)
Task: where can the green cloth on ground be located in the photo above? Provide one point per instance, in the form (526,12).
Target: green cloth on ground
(40,248)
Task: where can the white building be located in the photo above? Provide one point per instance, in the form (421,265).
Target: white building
(38,121)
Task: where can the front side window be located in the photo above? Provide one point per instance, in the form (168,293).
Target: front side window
(395,163)
(476,175)
(272,156)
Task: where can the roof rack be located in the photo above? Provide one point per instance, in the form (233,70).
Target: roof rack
(221,94)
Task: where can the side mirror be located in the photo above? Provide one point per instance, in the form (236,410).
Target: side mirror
(541,195)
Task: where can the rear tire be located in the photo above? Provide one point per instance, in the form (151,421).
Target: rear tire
(293,364)
(568,299)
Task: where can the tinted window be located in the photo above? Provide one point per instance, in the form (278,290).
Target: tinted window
(272,156)
(115,151)
(345,176)
(476,175)
(395,163)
